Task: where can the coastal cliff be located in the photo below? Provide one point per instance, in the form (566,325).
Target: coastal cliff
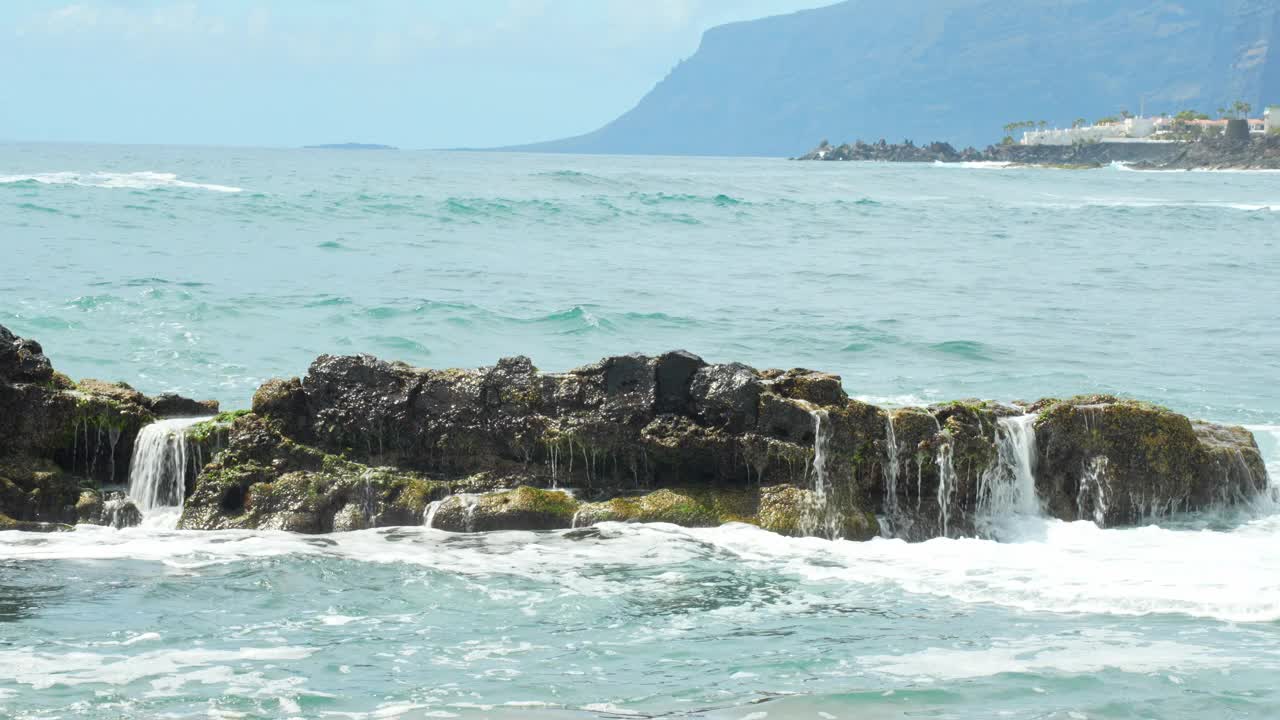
(1262,153)
(360,442)
(951,69)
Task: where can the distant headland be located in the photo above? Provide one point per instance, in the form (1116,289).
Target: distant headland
(349,146)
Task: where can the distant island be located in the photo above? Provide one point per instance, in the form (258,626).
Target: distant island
(349,146)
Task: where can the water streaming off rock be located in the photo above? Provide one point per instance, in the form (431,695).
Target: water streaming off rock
(823,516)
(1007,489)
(947,479)
(162,460)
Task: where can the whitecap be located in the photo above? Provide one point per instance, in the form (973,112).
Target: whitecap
(978,165)
(144,180)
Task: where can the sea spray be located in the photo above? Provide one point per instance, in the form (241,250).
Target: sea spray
(158,469)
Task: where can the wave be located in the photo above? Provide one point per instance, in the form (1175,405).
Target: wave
(476,207)
(1057,567)
(145,180)
(977,165)
(574,177)
(1126,167)
(967,349)
(662,198)
(573,320)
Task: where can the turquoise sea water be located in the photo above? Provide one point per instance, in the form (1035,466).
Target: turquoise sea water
(206,271)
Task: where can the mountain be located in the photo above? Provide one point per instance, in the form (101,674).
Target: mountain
(953,70)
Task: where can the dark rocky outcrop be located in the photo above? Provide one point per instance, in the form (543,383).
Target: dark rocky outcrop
(358,433)
(883,151)
(360,443)
(59,438)
(173,405)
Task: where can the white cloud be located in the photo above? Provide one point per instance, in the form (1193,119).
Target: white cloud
(178,18)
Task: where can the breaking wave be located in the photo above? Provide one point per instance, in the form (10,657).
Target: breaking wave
(145,180)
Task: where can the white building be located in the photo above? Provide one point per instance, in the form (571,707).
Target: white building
(1129,129)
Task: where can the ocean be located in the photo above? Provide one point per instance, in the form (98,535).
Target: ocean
(206,271)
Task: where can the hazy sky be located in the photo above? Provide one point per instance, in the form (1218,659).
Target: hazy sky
(425,73)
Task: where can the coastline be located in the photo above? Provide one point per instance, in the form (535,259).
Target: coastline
(1261,153)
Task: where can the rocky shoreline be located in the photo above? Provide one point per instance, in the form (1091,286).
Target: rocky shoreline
(360,442)
(1214,154)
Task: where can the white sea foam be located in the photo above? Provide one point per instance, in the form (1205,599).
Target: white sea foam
(1078,652)
(1152,203)
(895,401)
(978,165)
(1127,167)
(145,180)
(41,670)
(1056,567)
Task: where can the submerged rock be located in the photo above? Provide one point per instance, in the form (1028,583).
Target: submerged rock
(784,509)
(111,509)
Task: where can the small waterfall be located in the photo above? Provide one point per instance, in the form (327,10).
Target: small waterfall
(429,515)
(891,469)
(947,479)
(947,482)
(822,518)
(893,523)
(1007,489)
(1091,499)
(158,470)
(470,501)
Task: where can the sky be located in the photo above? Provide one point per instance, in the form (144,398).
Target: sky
(415,74)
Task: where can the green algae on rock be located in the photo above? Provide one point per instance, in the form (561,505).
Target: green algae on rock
(360,443)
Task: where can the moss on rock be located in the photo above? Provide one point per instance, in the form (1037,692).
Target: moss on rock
(523,508)
(1125,462)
